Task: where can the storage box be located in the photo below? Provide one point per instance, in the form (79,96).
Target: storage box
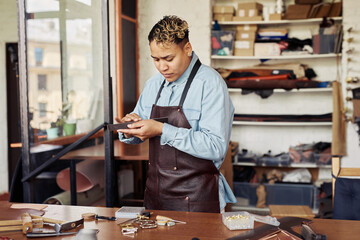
(267,49)
(223,17)
(297,11)
(251,9)
(223,9)
(222,42)
(272,33)
(245,35)
(244,48)
(243,19)
(247,27)
(307,1)
(275,16)
(278,194)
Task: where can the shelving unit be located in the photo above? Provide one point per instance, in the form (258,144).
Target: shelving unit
(259,137)
(304,56)
(279,22)
(254,123)
(293,165)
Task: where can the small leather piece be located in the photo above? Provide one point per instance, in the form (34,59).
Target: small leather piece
(286,223)
(15,214)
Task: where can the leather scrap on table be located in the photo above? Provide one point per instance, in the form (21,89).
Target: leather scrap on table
(286,226)
(7,212)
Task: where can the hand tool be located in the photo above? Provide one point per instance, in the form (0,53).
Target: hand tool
(68,225)
(25,224)
(106,218)
(48,234)
(309,234)
(112,127)
(166,219)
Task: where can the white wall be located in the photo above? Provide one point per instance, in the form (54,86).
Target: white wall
(8,33)
(196,13)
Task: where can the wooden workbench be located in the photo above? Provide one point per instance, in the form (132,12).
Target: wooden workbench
(200,225)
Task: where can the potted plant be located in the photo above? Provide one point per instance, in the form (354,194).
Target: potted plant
(53,131)
(67,123)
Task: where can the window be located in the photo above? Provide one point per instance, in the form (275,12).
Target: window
(38,56)
(42,109)
(41,81)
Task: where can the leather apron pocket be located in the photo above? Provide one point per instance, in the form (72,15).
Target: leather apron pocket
(168,158)
(206,206)
(174,204)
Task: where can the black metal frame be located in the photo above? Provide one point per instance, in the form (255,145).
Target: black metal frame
(27,172)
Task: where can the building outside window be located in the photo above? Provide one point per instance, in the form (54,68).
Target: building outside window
(42,81)
(42,109)
(39,56)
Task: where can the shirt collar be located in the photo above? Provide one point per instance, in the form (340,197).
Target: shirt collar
(183,78)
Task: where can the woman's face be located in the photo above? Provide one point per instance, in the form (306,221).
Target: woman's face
(171,60)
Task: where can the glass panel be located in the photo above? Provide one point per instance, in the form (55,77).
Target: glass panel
(65,78)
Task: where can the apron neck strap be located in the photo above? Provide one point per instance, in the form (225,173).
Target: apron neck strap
(187,86)
(189,81)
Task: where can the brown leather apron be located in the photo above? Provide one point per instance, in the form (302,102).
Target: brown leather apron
(176,180)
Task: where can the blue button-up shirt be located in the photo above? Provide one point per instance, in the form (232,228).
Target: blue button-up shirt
(208,109)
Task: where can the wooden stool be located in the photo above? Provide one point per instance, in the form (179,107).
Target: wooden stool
(291,210)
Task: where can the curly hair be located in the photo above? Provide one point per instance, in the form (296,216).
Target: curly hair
(170,29)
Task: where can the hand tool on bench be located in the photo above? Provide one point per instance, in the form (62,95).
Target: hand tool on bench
(25,224)
(167,219)
(59,228)
(48,234)
(68,225)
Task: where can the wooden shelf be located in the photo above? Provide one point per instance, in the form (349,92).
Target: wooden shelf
(302,90)
(299,21)
(281,124)
(307,56)
(293,165)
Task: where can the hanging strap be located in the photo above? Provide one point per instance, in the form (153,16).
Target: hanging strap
(159,92)
(189,81)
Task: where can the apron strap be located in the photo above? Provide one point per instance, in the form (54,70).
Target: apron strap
(159,92)
(187,86)
(189,81)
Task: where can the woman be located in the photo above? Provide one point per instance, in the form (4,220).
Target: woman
(187,150)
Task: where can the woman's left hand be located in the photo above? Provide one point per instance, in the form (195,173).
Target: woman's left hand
(144,129)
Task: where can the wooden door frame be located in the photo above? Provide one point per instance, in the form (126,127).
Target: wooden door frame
(119,55)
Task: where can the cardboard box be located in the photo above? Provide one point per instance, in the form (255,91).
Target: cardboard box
(243,19)
(244,48)
(267,49)
(275,16)
(307,1)
(324,11)
(297,11)
(222,42)
(226,17)
(273,31)
(245,35)
(223,9)
(251,9)
(247,27)
(335,9)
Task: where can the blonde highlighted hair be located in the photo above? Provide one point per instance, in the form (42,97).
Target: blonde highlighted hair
(170,29)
